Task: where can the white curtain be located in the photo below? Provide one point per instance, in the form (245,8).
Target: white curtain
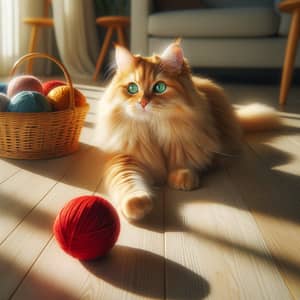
(14,35)
(76,37)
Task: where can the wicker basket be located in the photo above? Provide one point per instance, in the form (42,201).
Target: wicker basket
(42,135)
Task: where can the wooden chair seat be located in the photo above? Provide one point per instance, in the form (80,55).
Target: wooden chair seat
(47,22)
(113,21)
(289,5)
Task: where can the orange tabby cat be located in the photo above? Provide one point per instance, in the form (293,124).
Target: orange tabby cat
(160,124)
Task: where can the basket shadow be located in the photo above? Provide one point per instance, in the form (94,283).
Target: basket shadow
(18,211)
(80,169)
(147,274)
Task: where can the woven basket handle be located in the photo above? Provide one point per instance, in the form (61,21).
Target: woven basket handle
(52,58)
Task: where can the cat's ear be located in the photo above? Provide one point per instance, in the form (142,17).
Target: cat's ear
(124,58)
(172,57)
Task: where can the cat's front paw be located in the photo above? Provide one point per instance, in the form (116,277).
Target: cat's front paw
(135,208)
(184,179)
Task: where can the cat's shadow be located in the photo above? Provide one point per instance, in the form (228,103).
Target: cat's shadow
(241,174)
(144,273)
(270,158)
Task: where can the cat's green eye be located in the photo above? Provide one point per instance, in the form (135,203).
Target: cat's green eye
(132,88)
(159,87)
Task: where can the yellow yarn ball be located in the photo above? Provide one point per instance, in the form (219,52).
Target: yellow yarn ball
(59,97)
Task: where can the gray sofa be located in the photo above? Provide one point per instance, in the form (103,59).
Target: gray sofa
(225,33)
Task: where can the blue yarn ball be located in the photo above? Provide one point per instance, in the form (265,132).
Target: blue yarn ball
(3,87)
(28,102)
(4,100)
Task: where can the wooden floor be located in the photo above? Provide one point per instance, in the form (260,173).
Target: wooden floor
(237,237)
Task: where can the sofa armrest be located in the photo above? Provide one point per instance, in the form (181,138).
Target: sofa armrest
(140,9)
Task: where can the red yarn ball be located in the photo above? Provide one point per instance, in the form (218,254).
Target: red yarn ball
(51,84)
(87,227)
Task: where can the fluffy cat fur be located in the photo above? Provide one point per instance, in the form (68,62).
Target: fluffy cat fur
(153,138)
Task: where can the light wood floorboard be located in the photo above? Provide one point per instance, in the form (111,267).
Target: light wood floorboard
(237,237)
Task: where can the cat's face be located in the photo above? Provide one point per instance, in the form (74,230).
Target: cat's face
(150,87)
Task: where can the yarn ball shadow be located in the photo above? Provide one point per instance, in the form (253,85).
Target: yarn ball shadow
(147,274)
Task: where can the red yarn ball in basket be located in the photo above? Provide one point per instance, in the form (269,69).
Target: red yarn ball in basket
(87,227)
(51,84)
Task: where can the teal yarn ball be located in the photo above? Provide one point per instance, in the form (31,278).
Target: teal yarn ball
(3,87)
(29,102)
(4,101)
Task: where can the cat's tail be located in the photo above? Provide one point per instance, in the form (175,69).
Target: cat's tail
(258,117)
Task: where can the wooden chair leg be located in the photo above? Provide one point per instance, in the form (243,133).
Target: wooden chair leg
(121,36)
(290,54)
(103,51)
(32,47)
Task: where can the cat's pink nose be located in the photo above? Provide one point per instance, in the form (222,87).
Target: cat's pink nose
(143,102)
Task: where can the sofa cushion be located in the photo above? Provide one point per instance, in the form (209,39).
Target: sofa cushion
(285,22)
(217,22)
(239,3)
(168,5)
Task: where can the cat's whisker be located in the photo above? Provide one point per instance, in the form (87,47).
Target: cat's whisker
(225,154)
(110,70)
